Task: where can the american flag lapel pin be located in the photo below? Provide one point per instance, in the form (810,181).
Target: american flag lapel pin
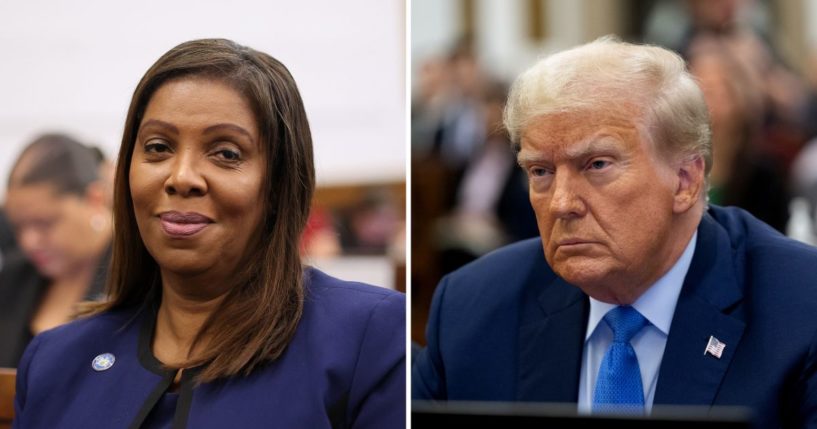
(714,347)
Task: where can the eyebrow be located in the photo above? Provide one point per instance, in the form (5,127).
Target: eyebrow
(595,144)
(523,158)
(161,124)
(231,127)
(599,143)
(212,128)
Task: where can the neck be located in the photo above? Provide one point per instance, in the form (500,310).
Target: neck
(83,272)
(80,275)
(183,312)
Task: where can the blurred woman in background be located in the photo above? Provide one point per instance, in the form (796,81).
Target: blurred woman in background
(59,211)
(742,173)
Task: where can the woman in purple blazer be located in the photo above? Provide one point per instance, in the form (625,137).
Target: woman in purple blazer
(212,321)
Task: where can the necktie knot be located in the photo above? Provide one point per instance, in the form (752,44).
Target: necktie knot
(625,322)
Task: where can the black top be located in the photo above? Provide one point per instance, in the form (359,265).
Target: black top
(21,290)
(162,408)
(162,415)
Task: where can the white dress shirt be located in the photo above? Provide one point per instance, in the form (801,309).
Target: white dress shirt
(657,305)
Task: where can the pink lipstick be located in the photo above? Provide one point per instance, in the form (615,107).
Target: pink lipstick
(177,224)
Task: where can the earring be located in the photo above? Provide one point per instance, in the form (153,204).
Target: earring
(97,222)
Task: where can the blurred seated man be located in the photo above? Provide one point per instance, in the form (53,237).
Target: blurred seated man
(637,293)
(491,207)
(58,205)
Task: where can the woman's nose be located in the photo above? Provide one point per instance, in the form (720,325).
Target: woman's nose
(185,178)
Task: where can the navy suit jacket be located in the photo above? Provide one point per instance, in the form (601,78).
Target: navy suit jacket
(506,328)
(344,368)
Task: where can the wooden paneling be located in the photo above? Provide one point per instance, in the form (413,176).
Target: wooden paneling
(339,197)
(7,380)
(537,17)
(468,18)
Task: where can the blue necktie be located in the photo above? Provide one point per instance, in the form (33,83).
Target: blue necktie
(618,386)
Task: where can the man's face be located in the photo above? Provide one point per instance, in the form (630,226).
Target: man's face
(603,199)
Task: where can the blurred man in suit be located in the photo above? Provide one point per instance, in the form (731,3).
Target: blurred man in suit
(637,293)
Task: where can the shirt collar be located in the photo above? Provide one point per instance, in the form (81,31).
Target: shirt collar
(658,303)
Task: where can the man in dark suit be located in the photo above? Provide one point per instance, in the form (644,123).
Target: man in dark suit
(637,293)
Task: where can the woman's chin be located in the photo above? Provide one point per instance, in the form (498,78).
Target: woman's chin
(186,265)
(50,269)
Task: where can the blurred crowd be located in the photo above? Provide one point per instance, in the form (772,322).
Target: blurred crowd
(468,196)
(369,221)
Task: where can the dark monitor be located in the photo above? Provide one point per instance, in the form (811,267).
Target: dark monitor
(433,415)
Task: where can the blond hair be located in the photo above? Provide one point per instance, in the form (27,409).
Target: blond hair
(609,74)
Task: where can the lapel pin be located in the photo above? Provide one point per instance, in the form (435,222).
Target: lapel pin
(103,362)
(714,347)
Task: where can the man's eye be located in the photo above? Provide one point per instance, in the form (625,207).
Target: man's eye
(537,171)
(598,164)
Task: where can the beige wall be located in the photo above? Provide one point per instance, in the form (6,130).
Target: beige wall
(72,66)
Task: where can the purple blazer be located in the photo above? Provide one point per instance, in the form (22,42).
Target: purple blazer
(344,368)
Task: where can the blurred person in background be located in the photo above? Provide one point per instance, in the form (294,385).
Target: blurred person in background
(467,196)
(58,206)
(491,206)
(803,221)
(773,109)
(743,27)
(18,278)
(8,245)
(447,122)
(803,175)
(789,106)
(742,175)
(460,146)
(7,242)
(372,225)
(320,238)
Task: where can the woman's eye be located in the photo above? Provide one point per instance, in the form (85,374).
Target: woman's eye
(44,224)
(156,148)
(229,155)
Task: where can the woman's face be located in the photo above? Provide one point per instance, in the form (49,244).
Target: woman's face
(56,232)
(196,177)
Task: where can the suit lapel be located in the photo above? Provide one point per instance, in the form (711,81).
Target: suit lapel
(710,291)
(551,339)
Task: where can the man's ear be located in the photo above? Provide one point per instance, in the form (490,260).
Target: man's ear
(691,183)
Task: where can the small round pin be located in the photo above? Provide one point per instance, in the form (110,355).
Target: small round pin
(103,362)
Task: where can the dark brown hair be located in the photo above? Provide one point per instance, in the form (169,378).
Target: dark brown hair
(58,160)
(259,315)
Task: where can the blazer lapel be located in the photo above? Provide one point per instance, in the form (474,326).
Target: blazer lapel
(711,290)
(551,339)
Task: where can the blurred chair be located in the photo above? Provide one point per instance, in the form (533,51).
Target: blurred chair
(7,380)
